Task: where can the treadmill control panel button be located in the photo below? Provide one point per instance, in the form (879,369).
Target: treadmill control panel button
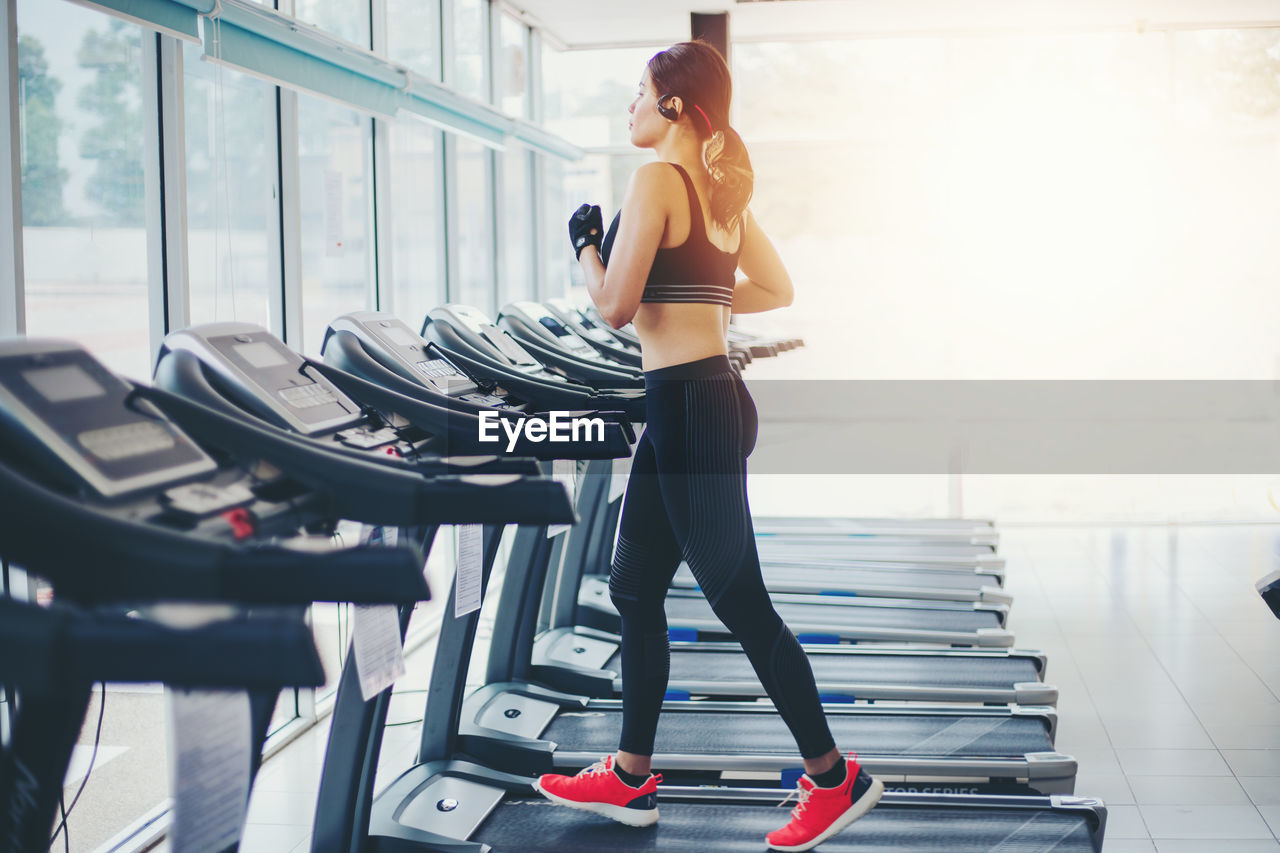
(365,439)
(438,367)
(204,499)
(487,400)
(306,396)
(122,442)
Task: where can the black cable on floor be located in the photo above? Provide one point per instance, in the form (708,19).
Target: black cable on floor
(93,756)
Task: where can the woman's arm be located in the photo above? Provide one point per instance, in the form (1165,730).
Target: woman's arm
(767,285)
(616,291)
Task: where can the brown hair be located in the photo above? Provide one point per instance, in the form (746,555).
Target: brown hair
(695,72)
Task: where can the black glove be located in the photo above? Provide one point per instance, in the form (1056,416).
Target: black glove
(586,228)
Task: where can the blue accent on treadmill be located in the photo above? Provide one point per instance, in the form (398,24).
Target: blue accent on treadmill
(675,694)
(682,635)
(829,639)
(836,697)
(844,592)
(791,777)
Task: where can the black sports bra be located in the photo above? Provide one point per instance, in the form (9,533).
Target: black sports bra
(694,271)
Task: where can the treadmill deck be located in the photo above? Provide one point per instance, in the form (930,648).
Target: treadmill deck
(528,825)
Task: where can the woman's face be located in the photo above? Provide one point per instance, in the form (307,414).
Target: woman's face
(646,124)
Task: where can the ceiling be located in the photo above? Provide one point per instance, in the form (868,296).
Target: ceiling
(609,23)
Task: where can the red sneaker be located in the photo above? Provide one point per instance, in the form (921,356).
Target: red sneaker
(598,789)
(822,812)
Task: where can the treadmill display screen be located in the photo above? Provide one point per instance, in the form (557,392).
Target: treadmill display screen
(401,337)
(555,327)
(260,354)
(506,346)
(63,384)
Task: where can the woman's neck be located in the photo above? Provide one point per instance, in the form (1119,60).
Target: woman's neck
(683,149)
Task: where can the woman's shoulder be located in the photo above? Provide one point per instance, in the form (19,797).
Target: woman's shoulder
(659,175)
(656,182)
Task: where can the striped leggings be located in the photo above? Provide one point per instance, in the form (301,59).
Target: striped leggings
(687,498)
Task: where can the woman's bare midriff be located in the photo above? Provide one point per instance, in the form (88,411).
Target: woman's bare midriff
(678,332)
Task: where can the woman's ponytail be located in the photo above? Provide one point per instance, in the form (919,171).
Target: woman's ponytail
(696,72)
(732,178)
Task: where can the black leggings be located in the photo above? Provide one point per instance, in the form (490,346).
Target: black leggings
(687,497)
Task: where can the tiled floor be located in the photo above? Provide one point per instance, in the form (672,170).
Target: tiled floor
(1164,654)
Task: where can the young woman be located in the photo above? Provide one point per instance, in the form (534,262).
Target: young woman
(668,265)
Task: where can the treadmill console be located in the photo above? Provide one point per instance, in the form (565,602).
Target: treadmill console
(585,323)
(66,413)
(394,345)
(560,333)
(490,336)
(268,378)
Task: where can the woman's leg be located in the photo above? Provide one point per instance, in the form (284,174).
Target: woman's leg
(644,562)
(703,481)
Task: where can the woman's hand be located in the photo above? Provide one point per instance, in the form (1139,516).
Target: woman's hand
(586,228)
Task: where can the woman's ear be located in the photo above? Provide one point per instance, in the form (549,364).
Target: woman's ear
(671,107)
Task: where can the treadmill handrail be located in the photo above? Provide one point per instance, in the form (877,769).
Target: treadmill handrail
(113,558)
(462,422)
(49,647)
(553,356)
(615,351)
(538,392)
(357,490)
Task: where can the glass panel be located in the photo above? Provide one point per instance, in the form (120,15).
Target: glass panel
(417,227)
(475,249)
(517,226)
(83,200)
(884,88)
(599,179)
(1227,78)
(346,19)
(413,35)
(331,625)
(513,68)
(230,192)
(557,254)
(470,47)
(334,145)
(586,93)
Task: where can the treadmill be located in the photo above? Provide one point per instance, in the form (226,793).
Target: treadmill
(814,618)
(53,656)
(246,373)
(385,353)
(978,577)
(160,517)
(594,334)
(452,802)
(1018,732)
(473,344)
(553,343)
(380,348)
(519,726)
(825,619)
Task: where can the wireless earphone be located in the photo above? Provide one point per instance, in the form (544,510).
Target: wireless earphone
(668,112)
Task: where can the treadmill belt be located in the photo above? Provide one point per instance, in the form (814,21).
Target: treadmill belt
(840,578)
(527,825)
(797,615)
(726,732)
(968,673)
